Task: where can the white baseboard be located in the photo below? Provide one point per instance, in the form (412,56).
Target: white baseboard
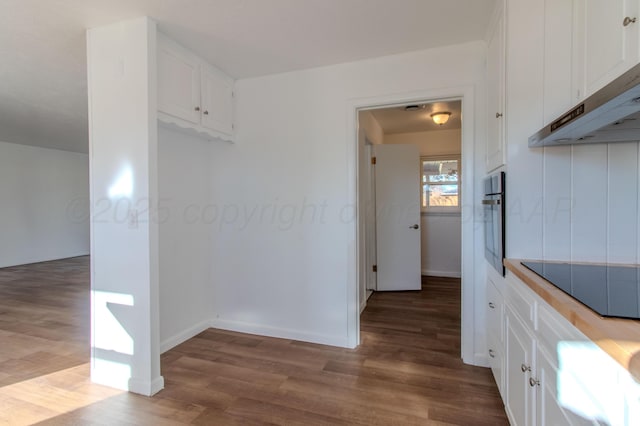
(363,304)
(479,360)
(283,333)
(447,274)
(146,388)
(183,336)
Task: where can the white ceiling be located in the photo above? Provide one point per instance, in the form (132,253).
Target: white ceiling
(42,45)
(398,120)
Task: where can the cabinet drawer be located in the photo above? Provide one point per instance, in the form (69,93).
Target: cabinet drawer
(495,309)
(522,301)
(495,355)
(554,329)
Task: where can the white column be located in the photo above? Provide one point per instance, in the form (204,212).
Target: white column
(125,350)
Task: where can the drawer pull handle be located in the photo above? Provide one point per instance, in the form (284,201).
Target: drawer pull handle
(491,353)
(628,21)
(491,305)
(533,382)
(525,368)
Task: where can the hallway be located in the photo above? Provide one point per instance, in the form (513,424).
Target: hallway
(406,371)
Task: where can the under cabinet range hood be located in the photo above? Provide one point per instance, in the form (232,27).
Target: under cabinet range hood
(612,114)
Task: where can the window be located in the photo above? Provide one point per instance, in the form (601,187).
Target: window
(440,183)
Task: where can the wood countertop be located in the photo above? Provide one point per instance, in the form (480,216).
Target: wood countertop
(620,338)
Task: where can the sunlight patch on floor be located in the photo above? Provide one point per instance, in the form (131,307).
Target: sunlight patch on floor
(51,395)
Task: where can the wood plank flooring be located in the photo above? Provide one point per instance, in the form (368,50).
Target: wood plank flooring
(407,370)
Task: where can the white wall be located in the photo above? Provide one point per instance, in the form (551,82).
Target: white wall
(440,241)
(279,269)
(436,142)
(565,203)
(123,145)
(441,235)
(185,206)
(369,131)
(45,204)
(372,129)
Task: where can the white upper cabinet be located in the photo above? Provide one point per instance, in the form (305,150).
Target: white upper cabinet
(192,94)
(607,35)
(217,101)
(558,54)
(179,89)
(495,154)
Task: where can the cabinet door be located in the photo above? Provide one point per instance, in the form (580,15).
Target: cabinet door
(495,332)
(549,410)
(519,365)
(495,96)
(217,102)
(558,56)
(178,84)
(610,47)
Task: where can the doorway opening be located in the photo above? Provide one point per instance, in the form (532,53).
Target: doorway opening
(442,156)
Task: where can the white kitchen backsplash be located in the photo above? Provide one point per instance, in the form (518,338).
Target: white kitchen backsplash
(581,206)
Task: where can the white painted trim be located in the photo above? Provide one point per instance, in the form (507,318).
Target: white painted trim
(363,305)
(282,333)
(177,124)
(144,387)
(481,360)
(447,274)
(184,335)
(467,95)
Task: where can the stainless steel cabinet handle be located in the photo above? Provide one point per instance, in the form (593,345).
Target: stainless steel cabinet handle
(525,368)
(491,305)
(533,382)
(628,21)
(491,353)
(491,202)
(416,226)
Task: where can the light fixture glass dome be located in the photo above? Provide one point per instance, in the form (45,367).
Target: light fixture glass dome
(440,117)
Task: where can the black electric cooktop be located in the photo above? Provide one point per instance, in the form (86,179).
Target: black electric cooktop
(609,290)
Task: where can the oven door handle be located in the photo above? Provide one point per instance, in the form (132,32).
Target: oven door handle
(491,202)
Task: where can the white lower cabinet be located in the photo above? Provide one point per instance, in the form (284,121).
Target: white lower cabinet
(548,372)
(495,332)
(519,364)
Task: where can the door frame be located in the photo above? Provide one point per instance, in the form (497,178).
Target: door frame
(469,275)
(370,237)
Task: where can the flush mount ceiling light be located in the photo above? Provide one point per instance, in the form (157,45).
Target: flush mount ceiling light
(440,117)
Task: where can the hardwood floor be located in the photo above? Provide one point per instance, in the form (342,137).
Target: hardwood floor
(406,371)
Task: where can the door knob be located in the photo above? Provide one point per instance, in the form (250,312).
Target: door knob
(415,226)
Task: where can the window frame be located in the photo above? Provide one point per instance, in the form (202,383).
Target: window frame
(441,209)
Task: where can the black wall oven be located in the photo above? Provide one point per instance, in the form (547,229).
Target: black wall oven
(493,204)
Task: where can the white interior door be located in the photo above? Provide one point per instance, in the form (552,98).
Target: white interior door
(398,217)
